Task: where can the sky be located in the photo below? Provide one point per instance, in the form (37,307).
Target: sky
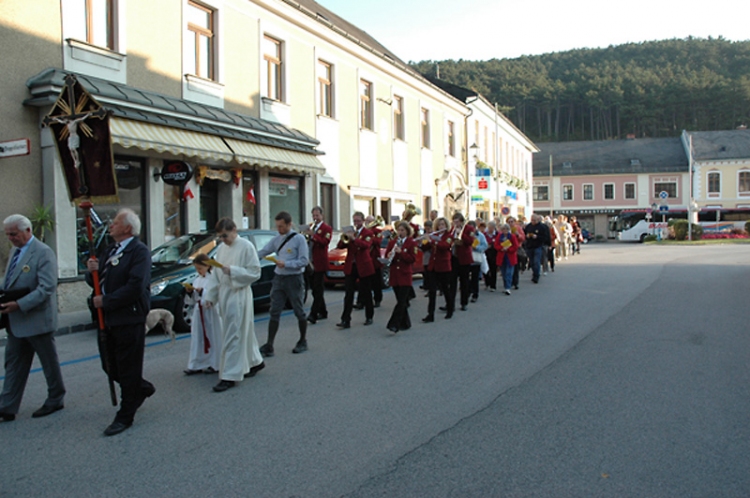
(416,30)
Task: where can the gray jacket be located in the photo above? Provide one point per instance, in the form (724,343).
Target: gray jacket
(36,270)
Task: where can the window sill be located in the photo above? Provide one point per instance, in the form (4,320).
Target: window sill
(94,54)
(203,85)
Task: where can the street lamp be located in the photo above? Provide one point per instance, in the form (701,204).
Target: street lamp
(654,207)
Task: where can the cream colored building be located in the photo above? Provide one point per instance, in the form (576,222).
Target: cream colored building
(721,167)
(276,99)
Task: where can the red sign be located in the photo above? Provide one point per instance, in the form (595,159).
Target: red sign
(176,173)
(482,184)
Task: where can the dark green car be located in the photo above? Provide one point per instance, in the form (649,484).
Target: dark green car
(172,266)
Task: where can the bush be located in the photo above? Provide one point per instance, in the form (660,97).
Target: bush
(681,230)
(650,238)
(747,227)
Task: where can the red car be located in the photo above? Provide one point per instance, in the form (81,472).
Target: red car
(336,258)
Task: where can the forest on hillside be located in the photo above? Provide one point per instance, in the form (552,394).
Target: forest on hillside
(649,89)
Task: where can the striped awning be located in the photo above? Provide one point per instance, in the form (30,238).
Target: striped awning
(147,136)
(275,157)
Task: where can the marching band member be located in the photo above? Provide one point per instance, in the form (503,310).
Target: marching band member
(320,237)
(401,252)
(358,265)
(425,245)
(440,267)
(506,245)
(463,237)
(491,234)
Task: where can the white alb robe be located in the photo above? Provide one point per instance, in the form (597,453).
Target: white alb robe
(199,359)
(234,298)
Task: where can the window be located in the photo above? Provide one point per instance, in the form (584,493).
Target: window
(398,117)
(567,192)
(365,100)
(630,191)
(669,187)
(588,192)
(425,128)
(743,183)
(200,41)
(100,23)
(451,139)
(325,89)
(486,146)
(272,75)
(541,192)
(714,184)
(609,191)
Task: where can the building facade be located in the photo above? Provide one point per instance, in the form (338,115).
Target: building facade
(595,180)
(276,104)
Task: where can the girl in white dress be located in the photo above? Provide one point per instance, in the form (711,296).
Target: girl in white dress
(205,339)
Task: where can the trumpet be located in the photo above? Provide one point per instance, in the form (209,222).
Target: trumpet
(348,235)
(307,232)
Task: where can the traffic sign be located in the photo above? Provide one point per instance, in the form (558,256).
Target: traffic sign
(505,210)
(663,207)
(663,194)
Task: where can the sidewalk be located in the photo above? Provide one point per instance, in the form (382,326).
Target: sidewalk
(67,323)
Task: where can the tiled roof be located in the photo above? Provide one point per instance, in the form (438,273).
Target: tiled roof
(720,145)
(142,105)
(610,157)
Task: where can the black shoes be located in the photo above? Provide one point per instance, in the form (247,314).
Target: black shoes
(443,308)
(192,372)
(359,306)
(224,385)
(116,428)
(428,319)
(46,410)
(393,329)
(368,321)
(312,319)
(301,347)
(473,299)
(343,325)
(376,305)
(449,315)
(266,350)
(7,417)
(463,307)
(254,370)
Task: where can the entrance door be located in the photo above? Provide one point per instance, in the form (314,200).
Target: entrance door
(209,204)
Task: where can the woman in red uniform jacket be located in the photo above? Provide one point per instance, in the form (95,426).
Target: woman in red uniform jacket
(402,252)
(507,258)
(440,264)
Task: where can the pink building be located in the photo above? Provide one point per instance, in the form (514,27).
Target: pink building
(595,180)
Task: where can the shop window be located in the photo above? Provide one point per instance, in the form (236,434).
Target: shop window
(173,215)
(284,194)
(249,202)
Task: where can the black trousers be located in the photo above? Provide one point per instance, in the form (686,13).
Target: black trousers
(441,281)
(459,280)
(124,363)
(317,286)
(491,277)
(474,271)
(376,287)
(365,292)
(400,316)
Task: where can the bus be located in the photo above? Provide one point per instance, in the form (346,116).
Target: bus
(633,225)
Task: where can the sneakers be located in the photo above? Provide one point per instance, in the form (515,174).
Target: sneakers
(301,347)
(266,350)
(507,292)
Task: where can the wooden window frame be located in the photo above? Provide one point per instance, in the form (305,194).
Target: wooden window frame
(89,8)
(568,187)
(200,31)
(717,192)
(625,191)
(274,65)
(365,102)
(604,191)
(325,89)
(583,191)
(743,193)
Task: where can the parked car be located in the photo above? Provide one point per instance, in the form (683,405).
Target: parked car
(337,257)
(172,266)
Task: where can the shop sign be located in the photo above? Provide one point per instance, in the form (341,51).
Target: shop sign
(482,184)
(512,194)
(176,173)
(20,147)
(477,198)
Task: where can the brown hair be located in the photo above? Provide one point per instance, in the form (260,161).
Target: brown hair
(202,260)
(225,225)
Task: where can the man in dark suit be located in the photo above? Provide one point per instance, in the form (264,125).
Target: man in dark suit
(30,317)
(125,271)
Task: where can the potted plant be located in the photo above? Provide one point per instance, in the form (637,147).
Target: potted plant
(42,221)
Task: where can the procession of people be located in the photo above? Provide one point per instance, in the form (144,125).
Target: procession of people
(457,257)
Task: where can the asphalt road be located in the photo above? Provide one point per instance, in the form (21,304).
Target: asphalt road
(624,373)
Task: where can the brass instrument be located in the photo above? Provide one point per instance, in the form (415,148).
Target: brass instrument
(307,232)
(377,222)
(348,235)
(457,240)
(392,254)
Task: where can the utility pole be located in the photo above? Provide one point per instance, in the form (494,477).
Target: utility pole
(551,199)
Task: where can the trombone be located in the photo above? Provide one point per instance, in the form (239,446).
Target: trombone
(377,222)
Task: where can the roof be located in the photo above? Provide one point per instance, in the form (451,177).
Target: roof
(720,145)
(141,105)
(611,157)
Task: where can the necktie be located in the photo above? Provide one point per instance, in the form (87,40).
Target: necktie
(13,263)
(103,271)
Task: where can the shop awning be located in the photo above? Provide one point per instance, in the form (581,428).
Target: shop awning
(274,157)
(146,136)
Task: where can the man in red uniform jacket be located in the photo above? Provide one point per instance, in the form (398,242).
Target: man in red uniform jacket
(357,266)
(320,237)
